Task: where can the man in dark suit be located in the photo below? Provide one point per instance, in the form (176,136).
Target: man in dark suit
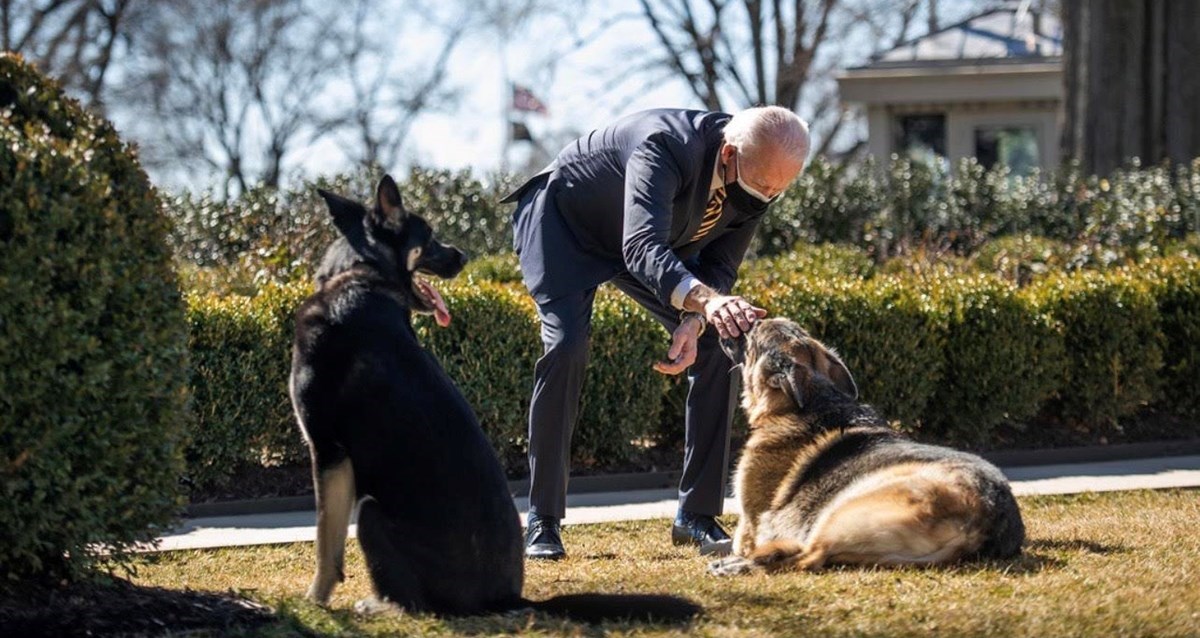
(663,204)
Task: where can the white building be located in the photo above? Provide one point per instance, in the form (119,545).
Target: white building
(990,87)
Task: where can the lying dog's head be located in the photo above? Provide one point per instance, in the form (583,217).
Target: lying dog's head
(783,367)
(394,242)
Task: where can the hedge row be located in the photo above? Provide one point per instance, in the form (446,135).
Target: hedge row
(240,362)
(893,208)
(953,358)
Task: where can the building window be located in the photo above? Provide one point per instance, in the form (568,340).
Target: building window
(921,138)
(1014,146)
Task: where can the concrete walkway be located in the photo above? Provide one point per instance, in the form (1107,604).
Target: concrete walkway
(288,527)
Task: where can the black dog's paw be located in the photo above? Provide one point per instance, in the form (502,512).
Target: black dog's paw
(375,606)
(731,566)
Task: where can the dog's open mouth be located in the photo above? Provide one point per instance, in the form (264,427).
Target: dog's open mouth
(432,300)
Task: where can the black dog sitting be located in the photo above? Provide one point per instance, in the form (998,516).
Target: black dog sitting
(387,428)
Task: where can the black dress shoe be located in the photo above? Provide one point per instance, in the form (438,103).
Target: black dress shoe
(543,538)
(697,529)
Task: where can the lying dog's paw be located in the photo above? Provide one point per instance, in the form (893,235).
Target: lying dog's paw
(731,566)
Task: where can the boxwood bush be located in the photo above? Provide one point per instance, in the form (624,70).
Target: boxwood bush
(949,356)
(1176,290)
(241,358)
(93,344)
(1002,358)
(241,363)
(1113,340)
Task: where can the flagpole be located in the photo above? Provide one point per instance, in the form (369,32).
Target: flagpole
(507,94)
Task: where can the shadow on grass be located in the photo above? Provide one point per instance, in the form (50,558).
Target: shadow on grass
(341,622)
(116,606)
(1076,545)
(527,621)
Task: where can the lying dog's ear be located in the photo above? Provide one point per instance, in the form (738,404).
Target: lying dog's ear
(389,209)
(347,216)
(840,375)
(790,377)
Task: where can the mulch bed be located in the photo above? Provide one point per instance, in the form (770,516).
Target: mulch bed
(256,482)
(117,607)
(1148,425)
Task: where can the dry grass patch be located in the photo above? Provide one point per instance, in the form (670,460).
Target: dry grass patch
(1117,564)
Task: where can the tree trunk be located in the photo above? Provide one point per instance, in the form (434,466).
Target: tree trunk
(1132,74)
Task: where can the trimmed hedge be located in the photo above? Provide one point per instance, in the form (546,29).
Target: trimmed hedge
(1002,359)
(951,357)
(241,358)
(1177,293)
(1113,338)
(93,344)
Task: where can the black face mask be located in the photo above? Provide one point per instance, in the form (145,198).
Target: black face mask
(743,201)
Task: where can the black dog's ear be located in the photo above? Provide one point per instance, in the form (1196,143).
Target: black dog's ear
(347,216)
(389,208)
(840,375)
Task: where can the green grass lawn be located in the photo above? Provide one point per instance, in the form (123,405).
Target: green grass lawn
(1118,564)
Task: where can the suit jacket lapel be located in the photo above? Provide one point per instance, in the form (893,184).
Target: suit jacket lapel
(712,127)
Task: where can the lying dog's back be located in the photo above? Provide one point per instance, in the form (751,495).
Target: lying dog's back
(897,478)
(823,479)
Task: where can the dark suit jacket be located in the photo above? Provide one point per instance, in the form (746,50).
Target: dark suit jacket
(630,197)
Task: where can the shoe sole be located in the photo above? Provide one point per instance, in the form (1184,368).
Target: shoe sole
(679,538)
(547,557)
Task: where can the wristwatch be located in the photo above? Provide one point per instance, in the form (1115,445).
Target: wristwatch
(688,314)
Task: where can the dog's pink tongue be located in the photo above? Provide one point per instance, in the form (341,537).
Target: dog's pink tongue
(440,314)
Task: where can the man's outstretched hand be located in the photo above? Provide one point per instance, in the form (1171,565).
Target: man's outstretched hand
(682,352)
(731,315)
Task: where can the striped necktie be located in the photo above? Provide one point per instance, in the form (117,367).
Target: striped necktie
(712,213)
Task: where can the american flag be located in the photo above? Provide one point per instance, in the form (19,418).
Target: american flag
(524,100)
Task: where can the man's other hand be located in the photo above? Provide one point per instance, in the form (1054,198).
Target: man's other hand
(682,352)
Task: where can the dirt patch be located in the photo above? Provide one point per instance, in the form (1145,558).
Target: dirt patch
(117,607)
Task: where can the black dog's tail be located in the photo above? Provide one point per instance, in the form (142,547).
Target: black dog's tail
(593,608)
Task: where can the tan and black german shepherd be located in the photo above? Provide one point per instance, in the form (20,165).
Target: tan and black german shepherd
(390,433)
(824,480)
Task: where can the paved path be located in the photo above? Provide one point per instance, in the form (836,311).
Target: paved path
(287,527)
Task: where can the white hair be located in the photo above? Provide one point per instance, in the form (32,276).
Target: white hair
(756,127)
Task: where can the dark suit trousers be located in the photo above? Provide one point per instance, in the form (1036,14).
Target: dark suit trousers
(566,325)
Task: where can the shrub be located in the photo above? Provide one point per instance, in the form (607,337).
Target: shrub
(826,204)
(1176,289)
(465,210)
(240,365)
(1021,258)
(1113,344)
(1003,359)
(504,268)
(93,359)
(267,235)
(808,260)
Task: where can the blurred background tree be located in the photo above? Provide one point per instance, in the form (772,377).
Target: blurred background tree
(1133,82)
